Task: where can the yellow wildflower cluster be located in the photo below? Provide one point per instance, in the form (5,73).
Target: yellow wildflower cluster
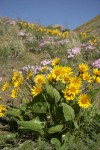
(83,35)
(54,32)
(93,40)
(39,81)
(96,76)
(57,26)
(27,25)
(73,85)
(2,110)
(15,82)
(83,72)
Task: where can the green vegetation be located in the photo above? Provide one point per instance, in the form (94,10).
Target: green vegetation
(49,86)
(92,26)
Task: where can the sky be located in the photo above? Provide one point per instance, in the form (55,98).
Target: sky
(68,13)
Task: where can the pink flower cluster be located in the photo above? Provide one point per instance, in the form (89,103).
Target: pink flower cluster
(12,22)
(73,51)
(96,64)
(36,68)
(62,42)
(0,79)
(46,62)
(24,35)
(90,47)
(46,41)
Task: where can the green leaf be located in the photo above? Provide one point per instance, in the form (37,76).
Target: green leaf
(34,124)
(53,92)
(38,104)
(68,112)
(15,112)
(9,136)
(75,124)
(68,137)
(39,107)
(55,142)
(27,145)
(93,94)
(55,129)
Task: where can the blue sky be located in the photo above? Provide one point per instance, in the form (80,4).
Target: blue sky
(69,13)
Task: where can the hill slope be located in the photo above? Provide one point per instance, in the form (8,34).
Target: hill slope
(92,25)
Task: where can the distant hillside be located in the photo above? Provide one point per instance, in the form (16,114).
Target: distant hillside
(93,26)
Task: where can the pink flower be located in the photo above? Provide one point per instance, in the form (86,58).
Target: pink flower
(45,62)
(21,33)
(0,79)
(12,22)
(96,64)
(76,50)
(90,47)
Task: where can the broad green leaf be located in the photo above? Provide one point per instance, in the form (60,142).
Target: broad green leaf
(55,142)
(55,129)
(38,104)
(53,92)
(15,113)
(39,107)
(68,112)
(34,124)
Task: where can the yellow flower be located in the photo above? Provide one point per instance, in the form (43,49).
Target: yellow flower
(21,23)
(76,80)
(29,75)
(74,88)
(84,101)
(86,77)
(51,78)
(5,86)
(15,75)
(96,71)
(55,61)
(14,93)
(2,110)
(68,95)
(57,72)
(95,40)
(98,79)
(66,70)
(18,82)
(39,79)
(36,89)
(65,78)
(66,33)
(83,68)
(44,68)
